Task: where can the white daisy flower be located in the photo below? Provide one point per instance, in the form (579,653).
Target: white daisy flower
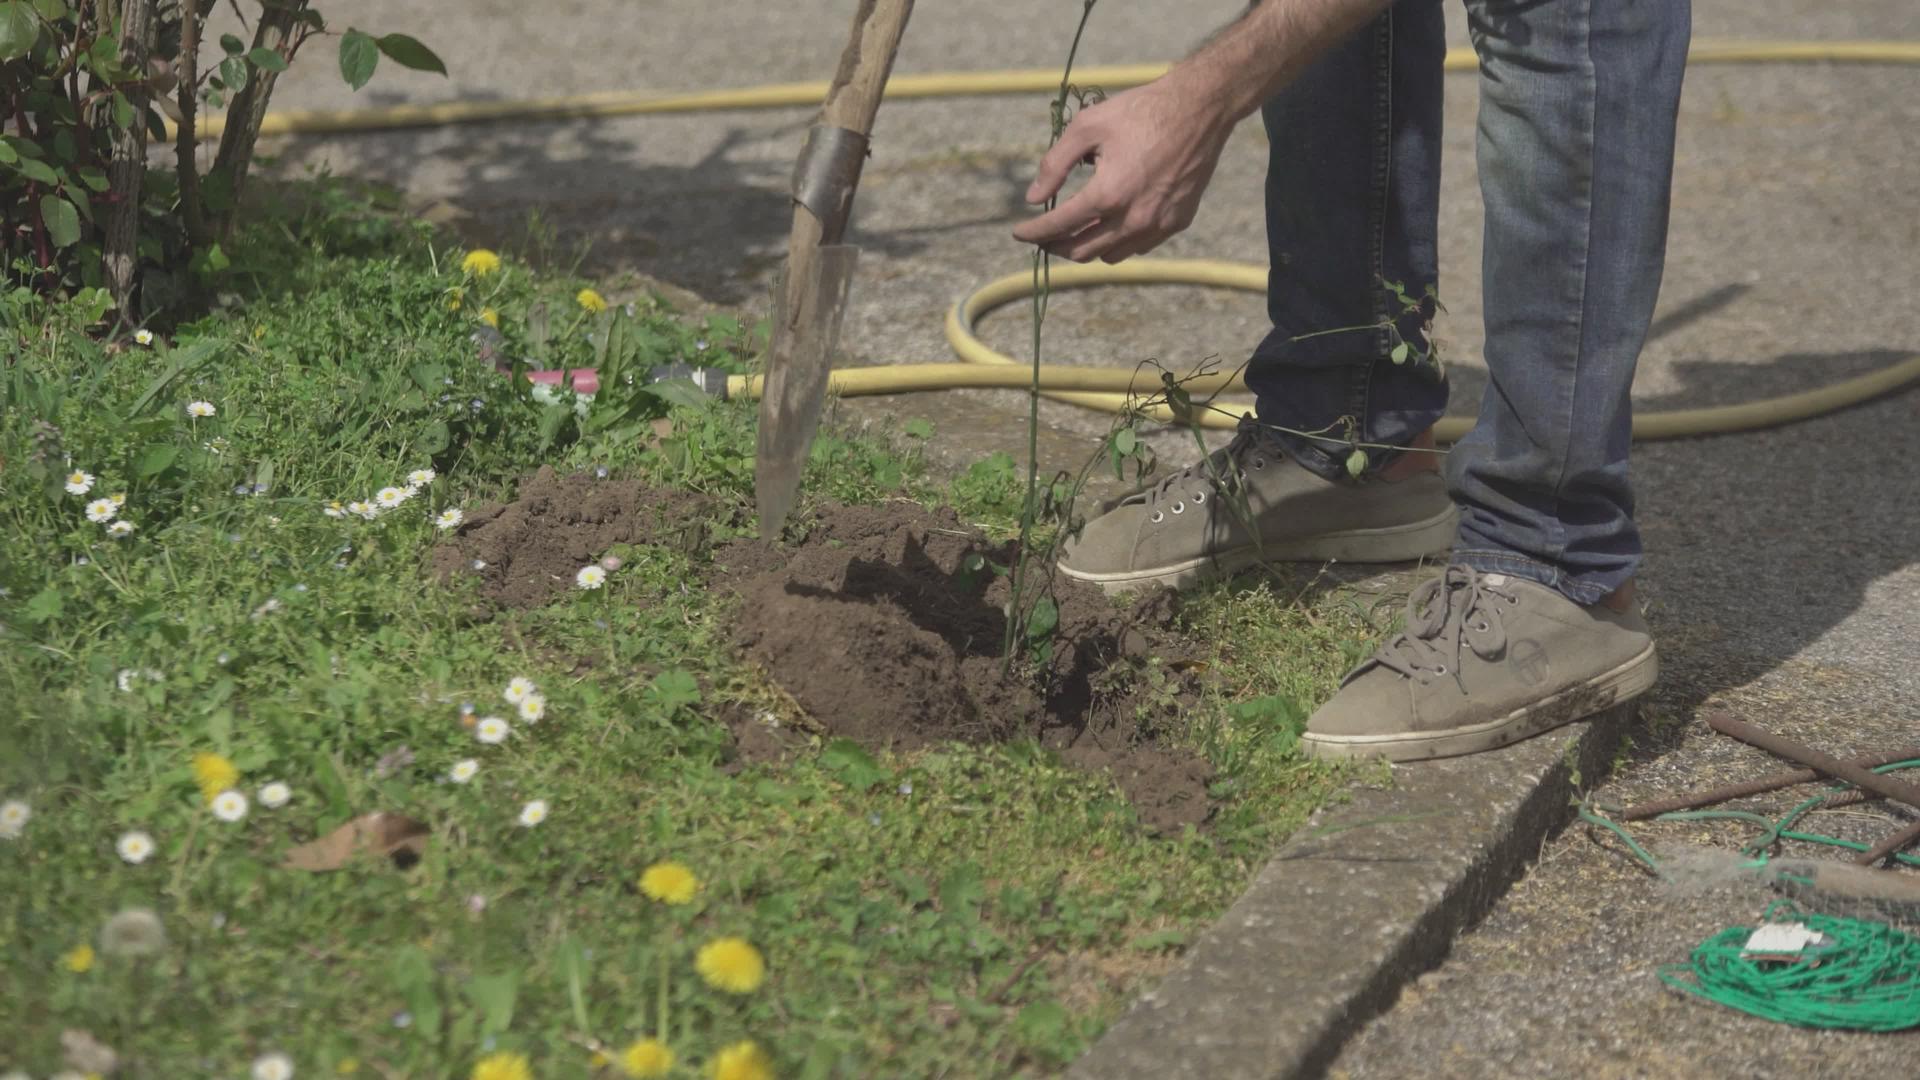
(590,577)
(390,497)
(79,482)
(420,477)
(200,408)
(229,806)
(125,680)
(119,498)
(449,519)
(13,818)
(275,795)
(463,771)
(519,689)
(143,336)
(533,708)
(334,509)
(533,813)
(120,528)
(134,846)
(101,510)
(274,1066)
(363,509)
(491,730)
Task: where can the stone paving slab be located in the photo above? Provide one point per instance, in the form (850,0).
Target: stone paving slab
(1367,895)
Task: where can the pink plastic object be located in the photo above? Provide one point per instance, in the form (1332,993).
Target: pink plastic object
(585,380)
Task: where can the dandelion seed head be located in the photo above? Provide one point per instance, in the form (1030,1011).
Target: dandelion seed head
(274,1066)
(275,795)
(133,932)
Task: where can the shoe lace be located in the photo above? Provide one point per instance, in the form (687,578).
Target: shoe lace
(1457,612)
(1250,446)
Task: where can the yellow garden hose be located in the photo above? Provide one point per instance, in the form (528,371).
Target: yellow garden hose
(1107,388)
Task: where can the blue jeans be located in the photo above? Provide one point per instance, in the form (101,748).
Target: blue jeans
(1577,105)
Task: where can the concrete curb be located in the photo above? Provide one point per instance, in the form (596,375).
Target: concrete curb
(1370,894)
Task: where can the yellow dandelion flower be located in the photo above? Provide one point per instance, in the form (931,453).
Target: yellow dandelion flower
(590,300)
(731,964)
(480,262)
(454,297)
(742,1061)
(347,1066)
(646,1059)
(669,883)
(214,774)
(599,1060)
(490,317)
(79,959)
(502,1066)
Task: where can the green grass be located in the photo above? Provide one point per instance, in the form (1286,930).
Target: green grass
(960,912)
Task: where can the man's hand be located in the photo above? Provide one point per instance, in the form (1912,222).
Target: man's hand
(1153,150)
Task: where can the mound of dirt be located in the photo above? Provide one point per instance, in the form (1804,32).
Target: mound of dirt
(529,549)
(880,627)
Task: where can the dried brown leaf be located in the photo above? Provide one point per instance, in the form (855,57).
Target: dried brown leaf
(395,836)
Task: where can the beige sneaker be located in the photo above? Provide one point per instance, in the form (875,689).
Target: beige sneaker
(1485,660)
(1185,528)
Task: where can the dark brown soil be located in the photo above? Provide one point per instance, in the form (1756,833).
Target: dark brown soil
(532,547)
(874,625)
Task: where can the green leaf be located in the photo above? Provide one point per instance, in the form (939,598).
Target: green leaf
(94,179)
(63,221)
(1042,1023)
(1400,352)
(1042,619)
(1356,463)
(961,892)
(155,460)
(8,155)
(428,377)
(673,688)
(681,392)
(1126,440)
(267,59)
(233,71)
(122,110)
(38,170)
(494,995)
(45,605)
(434,438)
(232,45)
(409,53)
(852,764)
(18,29)
(918,428)
(359,55)
(1159,939)
(51,9)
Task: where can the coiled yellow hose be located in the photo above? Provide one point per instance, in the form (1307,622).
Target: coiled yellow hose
(1109,388)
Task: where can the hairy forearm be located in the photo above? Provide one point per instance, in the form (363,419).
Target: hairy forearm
(1259,53)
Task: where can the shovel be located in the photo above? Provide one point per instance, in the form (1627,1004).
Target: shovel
(813,290)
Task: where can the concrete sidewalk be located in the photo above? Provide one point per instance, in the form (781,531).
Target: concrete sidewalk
(1783,567)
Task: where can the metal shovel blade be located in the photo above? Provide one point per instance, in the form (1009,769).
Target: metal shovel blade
(805,330)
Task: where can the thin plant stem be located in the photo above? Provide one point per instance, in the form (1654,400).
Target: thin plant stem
(1043,283)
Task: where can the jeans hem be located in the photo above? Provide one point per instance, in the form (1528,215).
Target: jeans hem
(1583,591)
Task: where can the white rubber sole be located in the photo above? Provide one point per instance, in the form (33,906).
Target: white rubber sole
(1578,702)
(1427,539)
